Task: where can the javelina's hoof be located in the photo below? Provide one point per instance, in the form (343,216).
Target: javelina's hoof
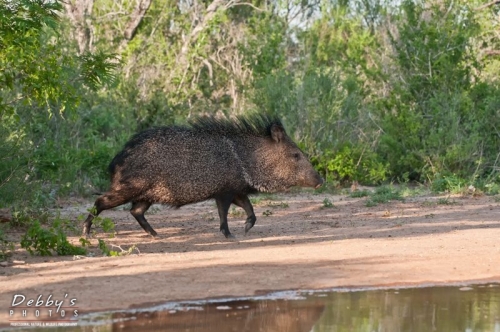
(227,234)
(248,226)
(86,233)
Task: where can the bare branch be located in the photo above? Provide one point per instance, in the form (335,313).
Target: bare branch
(136,18)
(491,52)
(182,57)
(210,71)
(79,12)
(235,3)
(489,4)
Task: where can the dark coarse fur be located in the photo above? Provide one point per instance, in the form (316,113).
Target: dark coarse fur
(224,159)
(255,125)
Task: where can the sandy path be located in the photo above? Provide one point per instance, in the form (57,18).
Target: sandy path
(299,245)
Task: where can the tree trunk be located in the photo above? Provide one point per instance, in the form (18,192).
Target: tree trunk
(79,13)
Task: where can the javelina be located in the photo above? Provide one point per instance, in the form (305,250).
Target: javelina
(209,158)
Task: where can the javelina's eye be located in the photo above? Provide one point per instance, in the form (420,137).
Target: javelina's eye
(296,156)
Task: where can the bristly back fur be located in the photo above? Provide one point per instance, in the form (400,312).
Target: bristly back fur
(253,125)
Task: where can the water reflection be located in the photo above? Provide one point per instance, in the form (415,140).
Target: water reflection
(414,309)
(474,308)
(238,316)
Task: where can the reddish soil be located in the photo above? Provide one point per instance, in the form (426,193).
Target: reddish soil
(297,243)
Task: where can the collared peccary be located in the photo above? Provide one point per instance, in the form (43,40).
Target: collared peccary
(209,158)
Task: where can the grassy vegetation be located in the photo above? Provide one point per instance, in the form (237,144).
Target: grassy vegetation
(384,194)
(327,204)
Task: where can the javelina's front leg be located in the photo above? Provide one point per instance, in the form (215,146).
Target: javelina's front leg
(223,203)
(244,202)
(107,201)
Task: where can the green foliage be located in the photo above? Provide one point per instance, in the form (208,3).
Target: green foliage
(359,193)
(283,205)
(433,120)
(262,50)
(113,253)
(491,188)
(327,204)
(45,241)
(352,163)
(446,201)
(36,139)
(105,249)
(452,184)
(267,213)
(22,217)
(340,37)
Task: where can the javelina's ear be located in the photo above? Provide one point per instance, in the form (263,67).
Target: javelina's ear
(277,132)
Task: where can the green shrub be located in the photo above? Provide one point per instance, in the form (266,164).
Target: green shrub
(45,241)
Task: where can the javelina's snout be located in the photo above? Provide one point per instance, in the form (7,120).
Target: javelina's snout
(320,183)
(313,180)
(317,181)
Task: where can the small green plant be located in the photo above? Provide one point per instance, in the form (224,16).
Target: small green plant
(327,204)
(359,193)
(384,194)
(427,203)
(106,251)
(414,191)
(491,189)
(282,205)
(84,242)
(22,217)
(452,184)
(44,241)
(445,201)
(267,213)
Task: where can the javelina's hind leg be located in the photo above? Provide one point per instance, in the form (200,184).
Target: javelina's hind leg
(107,201)
(223,204)
(243,202)
(138,209)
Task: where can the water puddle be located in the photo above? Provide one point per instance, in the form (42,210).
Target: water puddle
(445,308)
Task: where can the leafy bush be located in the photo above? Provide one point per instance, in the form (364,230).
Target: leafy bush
(351,164)
(45,241)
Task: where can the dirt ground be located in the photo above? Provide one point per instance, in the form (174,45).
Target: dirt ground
(297,243)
